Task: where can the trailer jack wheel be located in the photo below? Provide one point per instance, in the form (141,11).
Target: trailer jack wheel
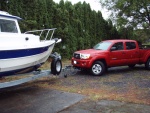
(65,75)
(56,66)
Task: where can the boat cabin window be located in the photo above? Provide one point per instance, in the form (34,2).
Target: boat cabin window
(8,26)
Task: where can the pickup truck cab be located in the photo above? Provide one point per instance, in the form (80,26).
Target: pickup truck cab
(111,53)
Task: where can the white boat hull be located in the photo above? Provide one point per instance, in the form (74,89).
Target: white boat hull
(16,65)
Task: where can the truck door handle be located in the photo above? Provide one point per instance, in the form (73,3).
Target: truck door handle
(123,52)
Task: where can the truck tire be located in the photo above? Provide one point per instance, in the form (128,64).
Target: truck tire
(147,64)
(98,68)
(56,66)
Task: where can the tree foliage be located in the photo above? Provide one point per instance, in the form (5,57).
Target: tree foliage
(132,18)
(77,25)
(134,13)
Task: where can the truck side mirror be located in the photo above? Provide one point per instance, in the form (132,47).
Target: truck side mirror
(113,48)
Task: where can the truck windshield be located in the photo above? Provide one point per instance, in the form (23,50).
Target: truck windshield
(8,26)
(102,46)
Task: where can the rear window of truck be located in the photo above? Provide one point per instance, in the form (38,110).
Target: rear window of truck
(130,45)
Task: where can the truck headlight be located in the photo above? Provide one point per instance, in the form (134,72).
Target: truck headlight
(84,56)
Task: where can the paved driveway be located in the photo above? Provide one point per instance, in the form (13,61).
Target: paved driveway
(35,100)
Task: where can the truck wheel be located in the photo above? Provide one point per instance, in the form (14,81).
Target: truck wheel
(56,66)
(147,64)
(98,68)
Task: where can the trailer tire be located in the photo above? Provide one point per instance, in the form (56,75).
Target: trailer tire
(56,66)
(147,64)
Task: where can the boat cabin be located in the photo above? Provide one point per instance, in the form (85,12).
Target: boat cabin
(10,33)
(9,23)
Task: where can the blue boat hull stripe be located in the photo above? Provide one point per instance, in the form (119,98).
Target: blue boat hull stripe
(7,54)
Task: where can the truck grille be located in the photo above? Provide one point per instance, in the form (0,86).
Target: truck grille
(76,55)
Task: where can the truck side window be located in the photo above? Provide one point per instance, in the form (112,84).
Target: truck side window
(118,46)
(130,45)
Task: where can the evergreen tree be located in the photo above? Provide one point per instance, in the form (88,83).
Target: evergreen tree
(77,25)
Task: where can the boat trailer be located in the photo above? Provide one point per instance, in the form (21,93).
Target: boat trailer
(67,70)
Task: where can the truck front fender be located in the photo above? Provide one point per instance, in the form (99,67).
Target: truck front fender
(97,58)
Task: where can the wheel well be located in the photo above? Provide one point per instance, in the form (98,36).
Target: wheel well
(102,60)
(147,59)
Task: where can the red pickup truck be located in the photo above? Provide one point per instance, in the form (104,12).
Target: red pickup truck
(111,53)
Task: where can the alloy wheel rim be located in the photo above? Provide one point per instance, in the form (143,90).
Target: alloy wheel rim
(58,66)
(97,68)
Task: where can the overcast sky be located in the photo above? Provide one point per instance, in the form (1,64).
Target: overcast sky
(95,5)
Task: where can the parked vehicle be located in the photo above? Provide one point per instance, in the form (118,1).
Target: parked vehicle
(111,53)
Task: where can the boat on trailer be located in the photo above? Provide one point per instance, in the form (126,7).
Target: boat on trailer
(24,52)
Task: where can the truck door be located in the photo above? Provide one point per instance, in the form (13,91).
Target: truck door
(131,53)
(116,56)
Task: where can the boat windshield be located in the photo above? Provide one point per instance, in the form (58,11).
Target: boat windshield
(8,26)
(102,46)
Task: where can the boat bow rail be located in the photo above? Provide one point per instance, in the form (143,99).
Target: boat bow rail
(43,32)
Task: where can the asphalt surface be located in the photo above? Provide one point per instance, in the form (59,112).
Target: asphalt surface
(107,106)
(35,100)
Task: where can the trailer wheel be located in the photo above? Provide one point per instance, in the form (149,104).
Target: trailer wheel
(56,66)
(98,68)
(147,64)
